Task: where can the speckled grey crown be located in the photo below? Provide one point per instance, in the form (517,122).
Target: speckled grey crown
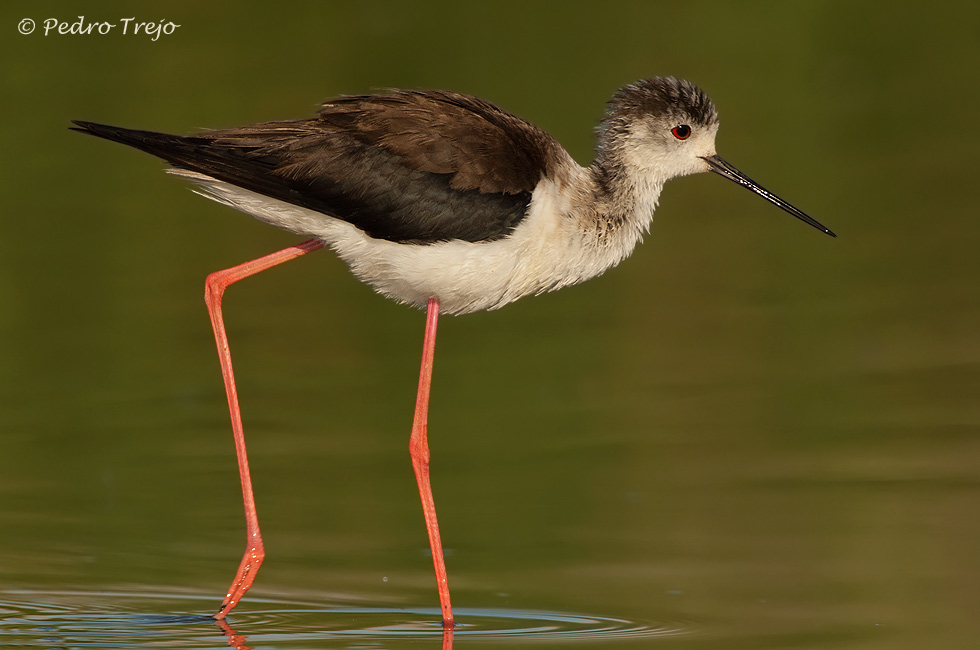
(676,100)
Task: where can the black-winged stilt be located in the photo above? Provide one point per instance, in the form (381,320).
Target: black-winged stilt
(443,201)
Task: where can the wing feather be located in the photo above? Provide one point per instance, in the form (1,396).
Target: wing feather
(417,166)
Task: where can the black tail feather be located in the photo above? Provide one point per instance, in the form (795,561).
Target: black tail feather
(172,148)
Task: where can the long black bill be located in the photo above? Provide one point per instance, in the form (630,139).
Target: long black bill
(722,168)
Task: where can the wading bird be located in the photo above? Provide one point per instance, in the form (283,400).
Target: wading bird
(445,202)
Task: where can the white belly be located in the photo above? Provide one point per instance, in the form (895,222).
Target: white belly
(549,249)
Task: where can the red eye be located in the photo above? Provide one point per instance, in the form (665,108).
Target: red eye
(681,131)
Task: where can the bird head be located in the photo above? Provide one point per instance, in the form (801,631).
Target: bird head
(661,128)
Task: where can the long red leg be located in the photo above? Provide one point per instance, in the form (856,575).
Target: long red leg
(214,289)
(418,448)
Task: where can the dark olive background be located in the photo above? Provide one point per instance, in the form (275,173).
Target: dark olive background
(759,434)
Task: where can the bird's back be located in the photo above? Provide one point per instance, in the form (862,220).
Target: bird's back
(405,166)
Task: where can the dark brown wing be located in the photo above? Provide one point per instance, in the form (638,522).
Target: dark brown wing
(404,166)
(481,146)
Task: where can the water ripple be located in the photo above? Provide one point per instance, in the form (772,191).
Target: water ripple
(88,619)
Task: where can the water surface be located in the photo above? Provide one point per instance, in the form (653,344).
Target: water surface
(747,436)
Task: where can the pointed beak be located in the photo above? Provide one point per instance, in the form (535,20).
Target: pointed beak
(722,168)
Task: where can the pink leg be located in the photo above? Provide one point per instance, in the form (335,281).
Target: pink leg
(214,289)
(418,448)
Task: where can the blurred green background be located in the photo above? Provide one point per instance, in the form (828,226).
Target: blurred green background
(765,434)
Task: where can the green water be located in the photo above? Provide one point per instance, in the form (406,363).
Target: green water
(749,433)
